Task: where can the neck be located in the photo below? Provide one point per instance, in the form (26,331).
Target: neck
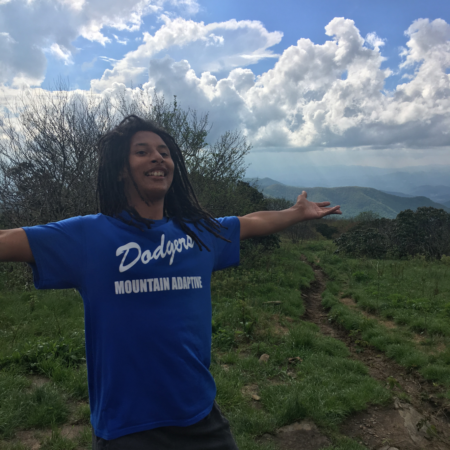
(152,210)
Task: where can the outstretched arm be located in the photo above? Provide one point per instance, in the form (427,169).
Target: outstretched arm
(14,246)
(267,222)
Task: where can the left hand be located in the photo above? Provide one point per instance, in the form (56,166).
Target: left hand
(311,210)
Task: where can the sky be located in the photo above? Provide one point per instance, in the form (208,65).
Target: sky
(309,83)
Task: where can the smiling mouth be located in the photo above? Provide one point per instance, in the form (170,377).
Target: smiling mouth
(155,173)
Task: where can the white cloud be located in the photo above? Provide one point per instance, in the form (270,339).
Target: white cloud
(61,53)
(213,47)
(31,27)
(374,40)
(108,59)
(427,41)
(7,37)
(120,41)
(327,96)
(304,102)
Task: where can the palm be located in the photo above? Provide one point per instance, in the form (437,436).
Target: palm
(313,210)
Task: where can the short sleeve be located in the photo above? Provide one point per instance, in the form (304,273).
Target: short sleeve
(226,254)
(58,250)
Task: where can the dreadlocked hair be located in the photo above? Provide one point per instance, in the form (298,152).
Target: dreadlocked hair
(180,202)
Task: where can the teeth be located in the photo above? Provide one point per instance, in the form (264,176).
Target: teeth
(156,173)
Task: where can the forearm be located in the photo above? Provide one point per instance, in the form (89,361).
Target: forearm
(267,222)
(262,223)
(14,246)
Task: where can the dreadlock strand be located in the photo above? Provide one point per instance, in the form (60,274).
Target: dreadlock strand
(181,203)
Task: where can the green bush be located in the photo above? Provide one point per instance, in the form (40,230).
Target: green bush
(422,233)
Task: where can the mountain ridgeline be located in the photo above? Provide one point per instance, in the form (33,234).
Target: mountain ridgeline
(353,199)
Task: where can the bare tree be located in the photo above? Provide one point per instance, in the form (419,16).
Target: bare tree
(48,158)
(48,154)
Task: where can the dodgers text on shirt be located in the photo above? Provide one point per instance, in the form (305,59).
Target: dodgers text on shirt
(134,249)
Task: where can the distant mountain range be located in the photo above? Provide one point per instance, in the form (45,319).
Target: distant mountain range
(439,194)
(431,181)
(353,199)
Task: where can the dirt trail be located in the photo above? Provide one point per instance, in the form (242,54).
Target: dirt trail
(421,423)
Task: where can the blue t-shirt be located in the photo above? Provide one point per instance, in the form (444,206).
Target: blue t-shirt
(147,304)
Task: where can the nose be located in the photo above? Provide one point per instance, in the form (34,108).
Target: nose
(157,157)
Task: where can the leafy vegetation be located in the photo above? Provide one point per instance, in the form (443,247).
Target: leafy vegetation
(424,232)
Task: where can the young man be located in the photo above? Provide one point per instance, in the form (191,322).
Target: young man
(143,267)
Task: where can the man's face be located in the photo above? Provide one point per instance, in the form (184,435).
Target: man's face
(151,167)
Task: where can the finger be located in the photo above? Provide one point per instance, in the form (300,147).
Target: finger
(321,204)
(334,210)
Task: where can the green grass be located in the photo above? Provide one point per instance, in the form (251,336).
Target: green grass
(325,386)
(58,442)
(256,310)
(12,446)
(82,414)
(414,294)
(23,407)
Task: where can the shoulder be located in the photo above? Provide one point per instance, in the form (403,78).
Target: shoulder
(231,223)
(91,220)
(70,225)
(228,220)
(229,227)
(224,224)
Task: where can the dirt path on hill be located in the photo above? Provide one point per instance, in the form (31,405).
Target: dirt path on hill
(421,423)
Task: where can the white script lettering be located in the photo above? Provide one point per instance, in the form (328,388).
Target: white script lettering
(145,257)
(126,248)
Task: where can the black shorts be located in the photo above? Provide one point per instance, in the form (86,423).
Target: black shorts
(211,433)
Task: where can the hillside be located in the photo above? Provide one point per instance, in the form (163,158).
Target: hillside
(262,183)
(354,200)
(405,180)
(398,194)
(439,194)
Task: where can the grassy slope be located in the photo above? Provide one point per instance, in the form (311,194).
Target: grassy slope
(354,200)
(414,294)
(325,386)
(41,333)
